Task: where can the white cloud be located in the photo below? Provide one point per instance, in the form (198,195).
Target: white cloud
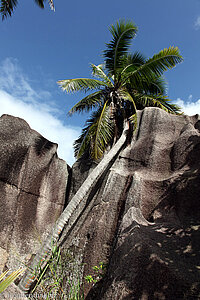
(189,107)
(19,99)
(197,23)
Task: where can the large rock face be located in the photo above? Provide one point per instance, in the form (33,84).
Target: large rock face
(33,185)
(144,219)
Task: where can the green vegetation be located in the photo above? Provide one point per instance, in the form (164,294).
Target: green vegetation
(8,6)
(125,82)
(6,281)
(58,277)
(99,273)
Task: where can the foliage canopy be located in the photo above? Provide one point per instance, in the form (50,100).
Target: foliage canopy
(124,83)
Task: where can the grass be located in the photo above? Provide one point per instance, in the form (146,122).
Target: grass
(59,278)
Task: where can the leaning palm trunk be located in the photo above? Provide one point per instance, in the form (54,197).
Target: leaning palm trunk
(83,191)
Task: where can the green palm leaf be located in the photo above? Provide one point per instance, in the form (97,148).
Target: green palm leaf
(132,62)
(122,34)
(89,102)
(157,85)
(96,136)
(103,132)
(82,144)
(80,84)
(155,66)
(9,279)
(98,72)
(157,101)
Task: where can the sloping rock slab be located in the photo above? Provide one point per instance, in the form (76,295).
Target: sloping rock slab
(144,218)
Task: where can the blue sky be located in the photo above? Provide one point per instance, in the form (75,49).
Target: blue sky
(39,47)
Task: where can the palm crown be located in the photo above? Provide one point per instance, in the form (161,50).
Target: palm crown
(125,82)
(7,6)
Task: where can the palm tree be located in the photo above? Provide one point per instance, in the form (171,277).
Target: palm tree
(8,6)
(126,82)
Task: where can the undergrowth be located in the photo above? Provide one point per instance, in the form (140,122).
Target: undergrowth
(59,278)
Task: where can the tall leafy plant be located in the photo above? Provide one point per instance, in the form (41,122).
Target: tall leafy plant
(124,83)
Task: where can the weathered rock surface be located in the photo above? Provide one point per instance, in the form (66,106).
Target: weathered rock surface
(33,184)
(144,219)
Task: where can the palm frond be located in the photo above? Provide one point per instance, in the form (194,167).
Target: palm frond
(157,85)
(96,136)
(82,144)
(97,71)
(132,61)
(133,120)
(103,133)
(157,101)
(80,84)
(7,7)
(155,66)
(87,103)
(123,32)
